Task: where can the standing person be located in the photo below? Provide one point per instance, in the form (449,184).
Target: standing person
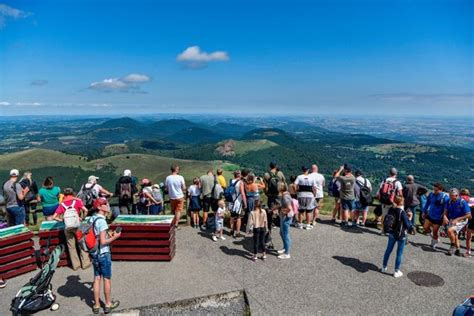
(320,183)
(221,178)
(238,204)
(157,206)
(176,188)
(433,212)
(147,204)
(363,195)
(68,202)
(286,211)
(456,214)
(272,178)
(411,193)
(306,188)
(389,189)
(207,182)
(91,191)
(219,220)
(125,189)
(252,190)
(292,188)
(258,224)
(347,182)
(334,190)
(31,198)
(101,258)
(397,235)
(14,195)
(465,195)
(48,195)
(194,196)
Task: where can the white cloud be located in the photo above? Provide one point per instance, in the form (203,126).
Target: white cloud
(7,12)
(4,103)
(28,104)
(100,105)
(135,78)
(195,58)
(109,85)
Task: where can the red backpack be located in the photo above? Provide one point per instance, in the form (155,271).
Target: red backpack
(86,236)
(387,192)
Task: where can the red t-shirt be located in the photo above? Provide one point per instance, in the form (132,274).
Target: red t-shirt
(68,202)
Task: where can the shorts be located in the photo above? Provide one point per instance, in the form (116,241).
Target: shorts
(219,224)
(438,222)
(49,210)
(385,209)
(360,208)
(348,205)
(177,205)
(195,204)
(235,209)
(102,265)
(470,224)
(206,203)
(459,226)
(272,201)
(306,204)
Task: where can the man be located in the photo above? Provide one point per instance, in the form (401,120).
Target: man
(101,259)
(320,184)
(238,205)
(70,201)
(176,188)
(389,188)
(14,195)
(207,184)
(31,198)
(306,191)
(272,178)
(362,187)
(221,178)
(125,189)
(91,191)
(347,182)
(411,193)
(433,212)
(456,214)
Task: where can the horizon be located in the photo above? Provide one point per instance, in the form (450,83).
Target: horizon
(366,58)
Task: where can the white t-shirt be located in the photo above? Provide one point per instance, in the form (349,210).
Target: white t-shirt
(175,184)
(305,180)
(319,182)
(95,189)
(398,184)
(194,190)
(362,180)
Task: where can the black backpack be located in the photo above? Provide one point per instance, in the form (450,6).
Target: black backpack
(125,191)
(365,197)
(392,222)
(87,195)
(273,184)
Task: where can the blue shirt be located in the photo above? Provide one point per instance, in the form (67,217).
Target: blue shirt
(100,226)
(458,208)
(435,205)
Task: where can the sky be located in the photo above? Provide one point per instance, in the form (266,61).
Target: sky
(403,58)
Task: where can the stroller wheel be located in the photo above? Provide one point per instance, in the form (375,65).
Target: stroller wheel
(55,307)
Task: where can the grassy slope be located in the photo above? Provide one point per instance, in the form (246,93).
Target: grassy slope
(38,158)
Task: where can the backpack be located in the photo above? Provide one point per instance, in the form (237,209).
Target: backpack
(273,185)
(125,191)
(87,195)
(333,189)
(156,193)
(70,217)
(231,191)
(387,192)
(217,190)
(86,236)
(365,196)
(392,222)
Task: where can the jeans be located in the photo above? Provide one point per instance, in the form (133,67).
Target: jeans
(155,209)
(102,265)
(388,251)
(31,208)
(285,222)
(17,214)
(413,209)
(258,240)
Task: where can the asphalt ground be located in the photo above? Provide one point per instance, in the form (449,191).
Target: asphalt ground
(331,272)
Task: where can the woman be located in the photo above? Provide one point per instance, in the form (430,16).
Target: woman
(252,190)
(286,213)
(147,203)
(48,195)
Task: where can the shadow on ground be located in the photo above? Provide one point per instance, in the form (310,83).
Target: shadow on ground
(359,266)
(75,288)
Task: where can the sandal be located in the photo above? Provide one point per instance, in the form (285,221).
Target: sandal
(95,310)
(114,305)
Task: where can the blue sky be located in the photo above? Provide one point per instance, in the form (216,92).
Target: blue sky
(281,57)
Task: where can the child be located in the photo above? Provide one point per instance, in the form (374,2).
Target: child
(219,221)
(194,193)
(258,222)
(397,222)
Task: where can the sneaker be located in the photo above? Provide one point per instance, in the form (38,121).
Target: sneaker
(457,253)
(451,250)
(300,226)
(264,257)
(234,234)
(309,226)
(467,254)
(343,224)
(362,224)
(433,243)
(203,227)
(333,220)
(3,283)
(222,238)
(254,258)
(281,251)
(214,238)
(383,270)
(114,305)
(398,274)
(284,256)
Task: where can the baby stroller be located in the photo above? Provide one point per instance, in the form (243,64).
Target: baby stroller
(37,294)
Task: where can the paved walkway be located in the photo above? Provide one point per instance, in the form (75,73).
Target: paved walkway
(331,272)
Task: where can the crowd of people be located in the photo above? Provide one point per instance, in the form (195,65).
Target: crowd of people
(296,201)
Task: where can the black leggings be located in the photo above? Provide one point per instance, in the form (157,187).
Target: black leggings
(258,239)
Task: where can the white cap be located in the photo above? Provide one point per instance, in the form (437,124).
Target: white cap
(127,173)
(14,173)
(93,179)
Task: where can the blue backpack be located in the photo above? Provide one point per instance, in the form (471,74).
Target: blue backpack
(333,189)
(230,192)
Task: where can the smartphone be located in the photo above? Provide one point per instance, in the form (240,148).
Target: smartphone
(118,229)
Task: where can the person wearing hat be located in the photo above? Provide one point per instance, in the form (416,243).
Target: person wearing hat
(101,258)
(95,189)
(388,190)
(147,204)
(346,194)
(14,195)
(306,192)
(125,189)
(456,214)
(433,212)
